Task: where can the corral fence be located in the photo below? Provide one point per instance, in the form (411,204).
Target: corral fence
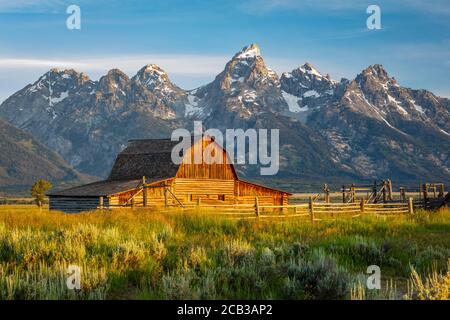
(313,211)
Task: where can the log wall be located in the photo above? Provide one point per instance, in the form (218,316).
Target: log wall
(206,170)
(75,204)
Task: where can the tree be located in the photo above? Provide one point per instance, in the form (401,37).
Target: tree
(38,191)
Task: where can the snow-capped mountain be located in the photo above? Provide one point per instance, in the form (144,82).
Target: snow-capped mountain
(244,89)
(306,89)
(87,122)
(378,127)
(367,127)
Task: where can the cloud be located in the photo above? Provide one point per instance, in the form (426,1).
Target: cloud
(440,7)
(172,63)
(29,5)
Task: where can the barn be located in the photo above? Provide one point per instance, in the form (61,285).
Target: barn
(144,175)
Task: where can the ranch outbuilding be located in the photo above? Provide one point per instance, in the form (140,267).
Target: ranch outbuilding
(144,175)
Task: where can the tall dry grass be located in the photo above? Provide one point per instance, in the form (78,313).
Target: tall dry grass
(147,254)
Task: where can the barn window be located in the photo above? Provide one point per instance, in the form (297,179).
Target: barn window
(221,197)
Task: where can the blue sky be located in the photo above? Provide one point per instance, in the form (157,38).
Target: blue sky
(192,40)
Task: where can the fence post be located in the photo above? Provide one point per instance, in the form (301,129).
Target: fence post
(425,192)
(343,193)
(326,190)
(165,195)
(402,194)
(410,205)
(362,205)
(441,190)
(133,203)
(311,208)
(144,192)
(375,195)
(384,191)
(257,206)
(353,193)
(100,203)
(199,202)
(389,183)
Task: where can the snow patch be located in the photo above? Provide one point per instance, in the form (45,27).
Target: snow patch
(397,104)
(54,100)
(311,93)
(292,102)
(416,106)
(192,108)
(249,53)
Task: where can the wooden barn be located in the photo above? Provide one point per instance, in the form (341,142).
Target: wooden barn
(144,175)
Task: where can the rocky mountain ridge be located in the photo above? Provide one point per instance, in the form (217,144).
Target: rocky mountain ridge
(365,128)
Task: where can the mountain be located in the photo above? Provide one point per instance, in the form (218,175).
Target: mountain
(361,129)
(380,128)
(244,89)
(23,161)
(88,122)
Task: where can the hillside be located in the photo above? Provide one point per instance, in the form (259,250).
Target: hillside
(23,160)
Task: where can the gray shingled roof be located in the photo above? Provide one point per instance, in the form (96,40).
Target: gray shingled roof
(98,189)
(149,158)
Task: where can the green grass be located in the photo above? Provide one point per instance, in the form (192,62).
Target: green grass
(146,254)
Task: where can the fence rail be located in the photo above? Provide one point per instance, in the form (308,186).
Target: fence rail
(316,211)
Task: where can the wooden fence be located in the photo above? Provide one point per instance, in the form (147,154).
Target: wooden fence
(314,211)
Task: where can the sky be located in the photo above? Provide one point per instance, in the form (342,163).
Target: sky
(192,40)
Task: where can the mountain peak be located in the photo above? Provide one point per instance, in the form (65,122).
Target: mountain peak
(151,68)
(310,69)
(376,70)
(250,51)
(66,73)
(152,76)
(116,72)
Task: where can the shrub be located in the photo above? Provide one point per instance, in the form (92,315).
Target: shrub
(317,278)
(129,256)
(239,252)
(179,285)
(434,286)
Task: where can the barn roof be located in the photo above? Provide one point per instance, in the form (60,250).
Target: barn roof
(98,189)
(150,158)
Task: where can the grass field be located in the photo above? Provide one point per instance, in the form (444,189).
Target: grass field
(149,255)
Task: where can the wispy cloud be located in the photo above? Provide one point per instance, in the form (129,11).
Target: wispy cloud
(30,5)
(264,6)
(172,63)
(358,33)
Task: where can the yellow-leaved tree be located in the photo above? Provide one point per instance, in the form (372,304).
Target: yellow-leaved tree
(38,191)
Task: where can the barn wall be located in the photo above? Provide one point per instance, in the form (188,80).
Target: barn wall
(247,192)
(155,195)
(75,204)
(208,190)
(189,170)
